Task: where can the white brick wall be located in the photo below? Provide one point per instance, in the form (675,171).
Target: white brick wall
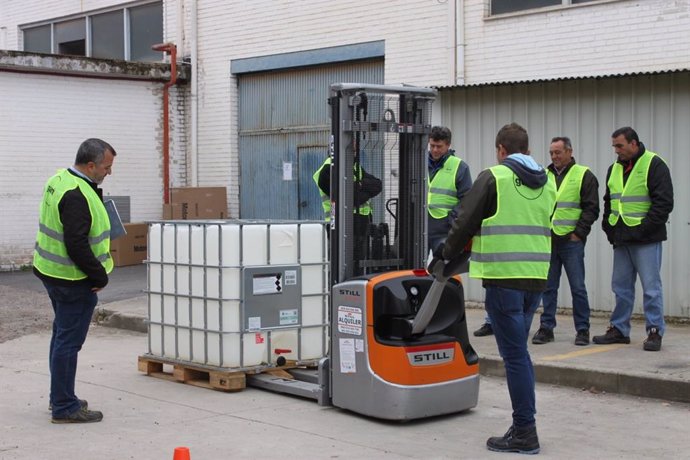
(586,40)
(43,119)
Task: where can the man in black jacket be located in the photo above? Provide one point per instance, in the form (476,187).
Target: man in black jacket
(506,214)
(577,207)
(366,187)
(72,259)
(637,203)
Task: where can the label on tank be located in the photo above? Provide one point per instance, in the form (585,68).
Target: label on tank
(288,317)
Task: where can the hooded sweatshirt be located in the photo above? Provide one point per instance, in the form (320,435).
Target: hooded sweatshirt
(480,203)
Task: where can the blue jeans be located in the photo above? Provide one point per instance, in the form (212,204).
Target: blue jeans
(571,255)
(73,307)
(629,262)
(511,313)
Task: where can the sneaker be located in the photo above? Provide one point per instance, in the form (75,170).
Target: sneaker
(612,335)
(520,440)
(81,416)
(582,337)
(483,331)
(653,342)
(82,402)
(542,336)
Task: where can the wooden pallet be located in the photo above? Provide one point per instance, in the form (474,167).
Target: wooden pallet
(216,379)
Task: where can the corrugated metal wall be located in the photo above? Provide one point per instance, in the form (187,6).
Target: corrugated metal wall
(283,138)
(588,111)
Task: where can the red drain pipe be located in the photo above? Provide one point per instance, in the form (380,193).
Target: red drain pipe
(172,50)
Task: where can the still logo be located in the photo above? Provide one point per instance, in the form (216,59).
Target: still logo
(431,357)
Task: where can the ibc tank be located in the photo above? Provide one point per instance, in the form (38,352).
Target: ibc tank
(195,290)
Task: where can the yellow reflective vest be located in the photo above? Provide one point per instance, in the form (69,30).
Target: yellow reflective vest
(442,197)
(568,209)
(50,254)
(631,201)
(364,209)
(516,241)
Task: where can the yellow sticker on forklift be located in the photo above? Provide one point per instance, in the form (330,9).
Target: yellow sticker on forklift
(349,320)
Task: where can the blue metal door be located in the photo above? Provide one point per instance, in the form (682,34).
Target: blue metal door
(310,159)
(284,128)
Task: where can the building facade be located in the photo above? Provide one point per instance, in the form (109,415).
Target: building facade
(254,106)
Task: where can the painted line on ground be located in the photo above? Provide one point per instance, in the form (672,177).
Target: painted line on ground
(584,352)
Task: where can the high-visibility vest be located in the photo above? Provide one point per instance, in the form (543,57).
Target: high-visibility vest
(443,194)
(516,241)
(568,209)
(364,209)
(50,254)
(630,201)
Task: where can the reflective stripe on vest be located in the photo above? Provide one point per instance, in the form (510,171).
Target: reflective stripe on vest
(50,254)
(568,210)
(443,193)
(516,241)
(364,209)
(630,201)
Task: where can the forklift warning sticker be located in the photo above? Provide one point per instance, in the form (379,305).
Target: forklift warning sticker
(347,356)
(349,320)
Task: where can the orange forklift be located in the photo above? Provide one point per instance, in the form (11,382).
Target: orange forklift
(399,348)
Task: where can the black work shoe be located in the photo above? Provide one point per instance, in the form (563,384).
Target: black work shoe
(542,336)
(82,402)
(483,331)
(612,335)
(582,337)
(81,416)
(653,342)
(520,440)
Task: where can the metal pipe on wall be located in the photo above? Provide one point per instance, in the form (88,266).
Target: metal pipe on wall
(194,121)
(171,49)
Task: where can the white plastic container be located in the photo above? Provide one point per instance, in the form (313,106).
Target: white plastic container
(196,304)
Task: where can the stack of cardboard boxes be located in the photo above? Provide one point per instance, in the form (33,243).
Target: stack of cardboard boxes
(186,203)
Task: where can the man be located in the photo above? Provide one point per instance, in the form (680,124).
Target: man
(72,258)
(366,187)
(577,207)
(637,203)
(449,179)
(507,214)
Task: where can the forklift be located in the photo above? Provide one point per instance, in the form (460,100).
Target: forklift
(398,348)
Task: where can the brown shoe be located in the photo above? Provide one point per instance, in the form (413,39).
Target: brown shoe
(80,416)
(653,342)
(612,335)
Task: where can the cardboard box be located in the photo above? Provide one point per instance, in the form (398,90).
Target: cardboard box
(190,203)
(132,248)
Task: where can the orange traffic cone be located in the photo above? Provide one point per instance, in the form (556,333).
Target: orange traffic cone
(181,453)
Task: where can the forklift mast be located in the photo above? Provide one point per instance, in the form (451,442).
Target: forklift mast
(383,131)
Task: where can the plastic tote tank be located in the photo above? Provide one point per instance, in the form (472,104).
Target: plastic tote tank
(237,293)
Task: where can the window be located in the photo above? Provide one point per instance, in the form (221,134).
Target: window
(146,29)
(123,33)
(70,37)
(37,39)
(108,35)
(509,6)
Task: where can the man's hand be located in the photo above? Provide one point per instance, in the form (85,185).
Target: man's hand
(574,237)
(96,289)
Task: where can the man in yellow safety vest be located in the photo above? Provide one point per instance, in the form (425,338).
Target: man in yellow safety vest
(72,259)
(507,215)
(366,187)
(637,203)
(577,208)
